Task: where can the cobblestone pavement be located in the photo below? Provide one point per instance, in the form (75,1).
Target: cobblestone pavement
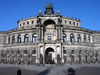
(50,69)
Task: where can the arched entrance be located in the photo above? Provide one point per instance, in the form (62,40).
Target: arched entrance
(49,56)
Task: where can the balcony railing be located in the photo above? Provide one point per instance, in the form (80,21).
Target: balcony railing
(51,42)
(78,43)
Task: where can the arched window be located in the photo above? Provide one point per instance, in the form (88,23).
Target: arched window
(9,40)
(80,56)
(72,56)
(18,52)
(64,37)
(34,52)
(13,39)
(34,38)
(85,39)
(71,38)
(72,52)
(28,23)
(79,38)
(64,52)
(26,38)
(86,56)
(19,39)
(8,53)
(12,52)
(89,38)
(80,52)
(25,52)
(32,22)
(69,22)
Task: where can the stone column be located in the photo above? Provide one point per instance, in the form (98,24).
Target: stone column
(68,37)
(38,33)
(38,54)
(55,55)
(82,38)
(43,55)
(87,38)
(57,33)
(16,35)
(42,33)
(75,37)
(30,37)
(22,37)
(10,38)
(91,39)
(7,39)
(61,34)
(62,55)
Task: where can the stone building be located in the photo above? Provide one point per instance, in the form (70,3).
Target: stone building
(49,38)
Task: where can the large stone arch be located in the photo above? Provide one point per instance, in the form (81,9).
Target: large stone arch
(49,27)
(48,21)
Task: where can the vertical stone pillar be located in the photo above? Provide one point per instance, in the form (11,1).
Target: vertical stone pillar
(87,38)
(75,37)
(68,37)
(16,35)
(62,54)
(43,55)
(38,54)
(7,39)
(75,56)
(38,33)
(30,37)
(55,55)
(91,39)
(22,37)
(57,33)
(42,33)
(82,38)
(10,38)
(61,34)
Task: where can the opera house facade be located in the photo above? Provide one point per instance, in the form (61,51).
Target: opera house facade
(49,38)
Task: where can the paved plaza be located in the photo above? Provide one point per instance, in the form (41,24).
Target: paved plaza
(83,69)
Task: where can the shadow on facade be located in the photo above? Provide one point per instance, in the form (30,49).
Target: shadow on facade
(45,72)
(71,71)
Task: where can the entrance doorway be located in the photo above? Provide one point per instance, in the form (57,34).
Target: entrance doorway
(49,56)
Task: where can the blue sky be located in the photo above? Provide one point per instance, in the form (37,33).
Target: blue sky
(88,11)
